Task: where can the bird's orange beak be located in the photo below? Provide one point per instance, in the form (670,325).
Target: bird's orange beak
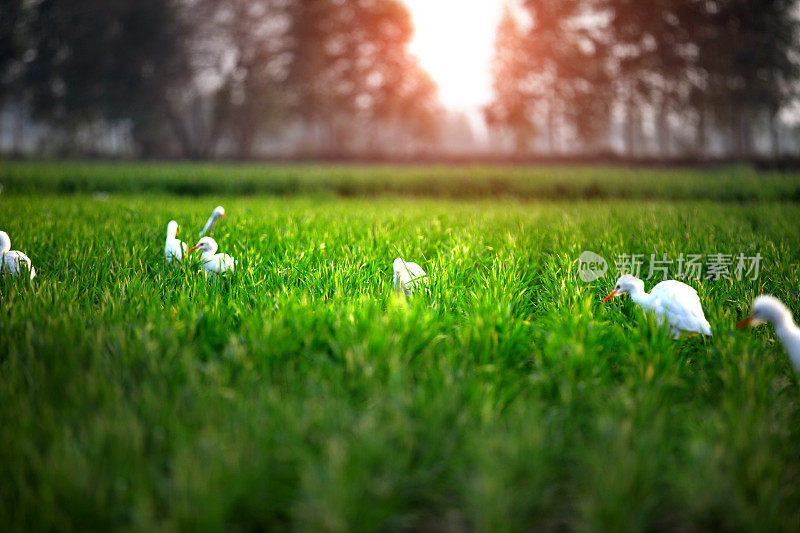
(611,295)
(743,323)
(193,248)
(224,216)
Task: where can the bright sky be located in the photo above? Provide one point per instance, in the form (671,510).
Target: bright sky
(454,40)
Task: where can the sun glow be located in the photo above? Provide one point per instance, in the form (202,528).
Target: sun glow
(454,40)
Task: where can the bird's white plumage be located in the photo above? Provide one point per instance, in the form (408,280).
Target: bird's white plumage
(407,276)
(214,263)
(672,302)
(679,304)
(219,263)
(13,262)
(174,249)
(767,308)
(219,212)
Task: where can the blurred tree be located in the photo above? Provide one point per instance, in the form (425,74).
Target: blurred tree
(583,81)
(510,108)
(186,74)
(107,60)
(649,52)
(252,97)
(731,60)
(238,59)
(759,63)
(394,87)
(556,72)
(12,46)
(350,69)
(13,40)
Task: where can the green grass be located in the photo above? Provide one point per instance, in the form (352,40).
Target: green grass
(303,394)
(726,184)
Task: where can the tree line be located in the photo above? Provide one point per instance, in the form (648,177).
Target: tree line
(311,78)
(661,77)
(196,78)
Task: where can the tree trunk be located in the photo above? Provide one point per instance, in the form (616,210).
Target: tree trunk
(2,128)
(700,138)
(630,125)
(19,131)
(775,134)
(735,149)
(551,126)
(245,139)
(662,132)
(181,135)
(747,137)
(519,142)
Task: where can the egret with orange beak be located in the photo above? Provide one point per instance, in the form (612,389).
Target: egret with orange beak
(671,301)
(213,263)
(767,308)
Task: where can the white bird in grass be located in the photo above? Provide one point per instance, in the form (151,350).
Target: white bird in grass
(13,261)
(671,301)
(769,309)
(213,263)
(174,248)
(219,212)
(407,276)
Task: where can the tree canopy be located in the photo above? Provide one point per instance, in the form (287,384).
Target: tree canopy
(191,77)
(730,63)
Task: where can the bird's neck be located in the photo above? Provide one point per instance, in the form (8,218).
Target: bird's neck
(641,298)
(789,334)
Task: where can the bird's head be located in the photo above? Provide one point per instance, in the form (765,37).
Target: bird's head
(625,285)
(206,245)
(219,212)
(172,228)
(5,242)
(766,308)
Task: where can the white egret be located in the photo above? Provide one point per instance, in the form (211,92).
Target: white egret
(671,301)
(769,309)
(213,263)
(407,276)
(219,212)
(13,261)
(174,248)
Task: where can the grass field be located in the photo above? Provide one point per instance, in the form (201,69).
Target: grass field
(724,184)
(301,393)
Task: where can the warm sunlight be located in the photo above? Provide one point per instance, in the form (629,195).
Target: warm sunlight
(454,41)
